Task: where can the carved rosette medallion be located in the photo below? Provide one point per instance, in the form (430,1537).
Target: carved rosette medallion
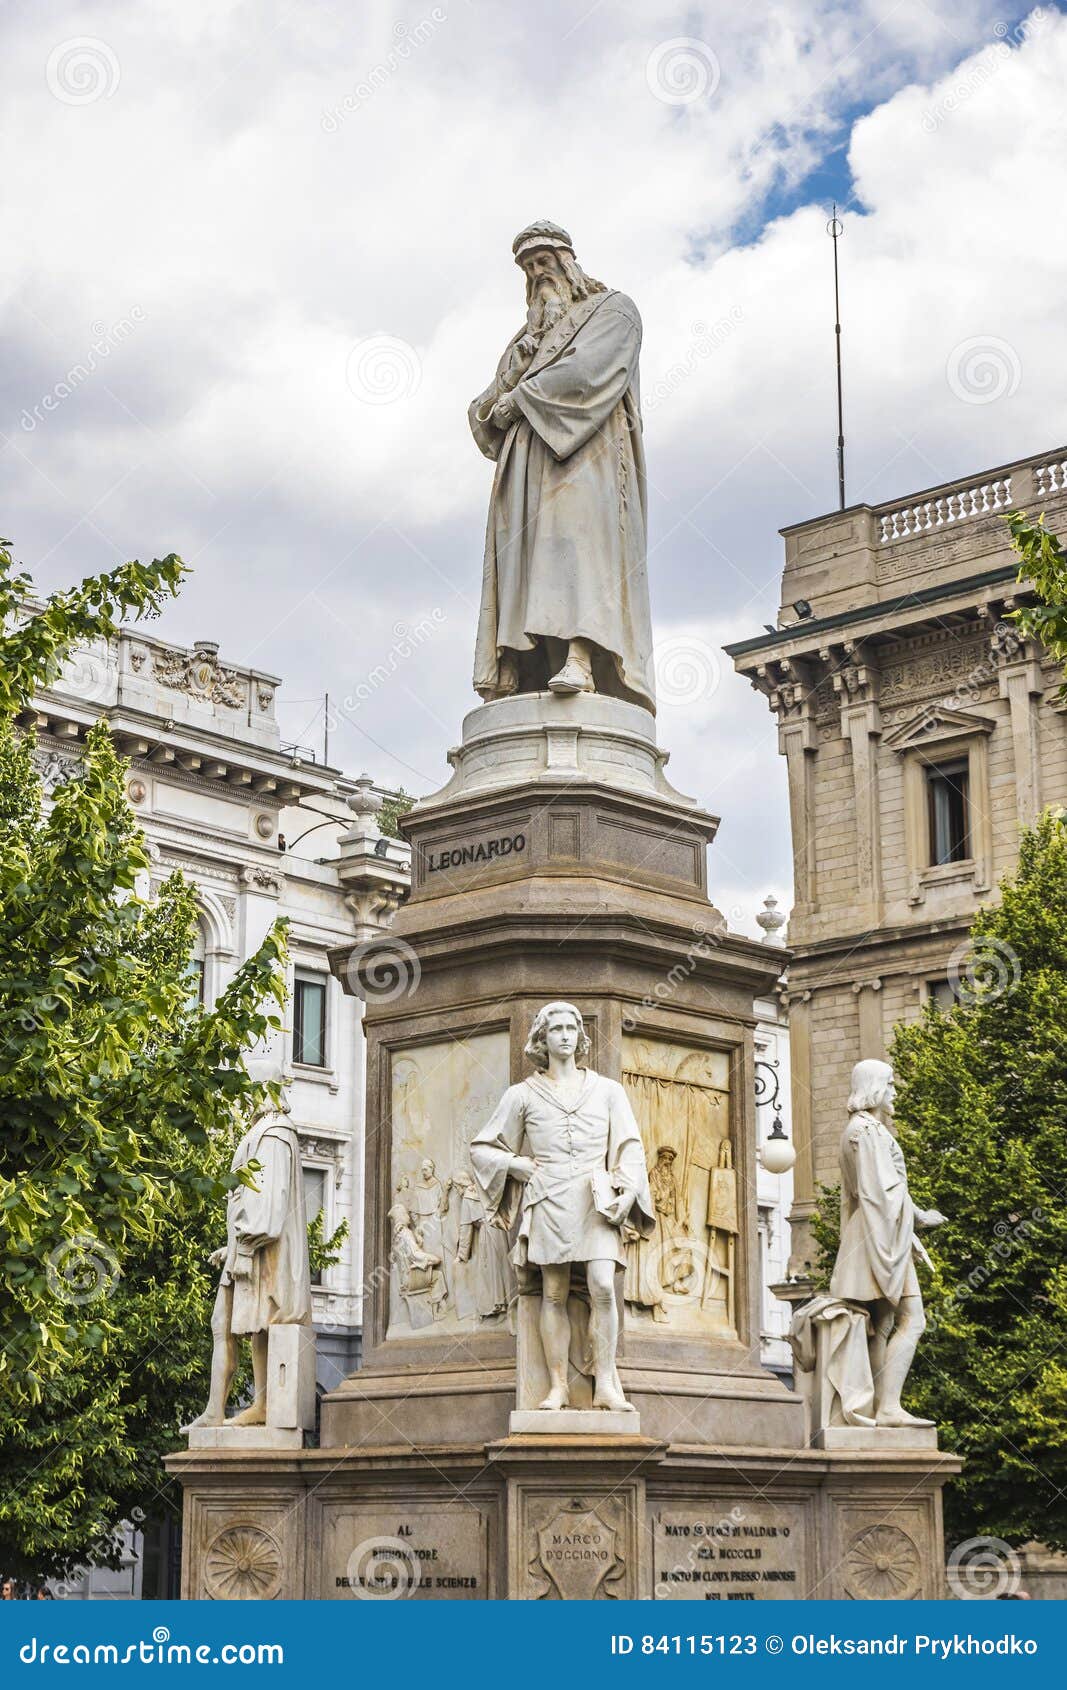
(577,1557)
(883,1564)
(243,1564)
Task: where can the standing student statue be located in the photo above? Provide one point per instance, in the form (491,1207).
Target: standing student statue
(564,601)
(876,1257)
(266,1278)
(563,1155)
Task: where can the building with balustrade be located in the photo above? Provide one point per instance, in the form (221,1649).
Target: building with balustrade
(920,732)
(255,825)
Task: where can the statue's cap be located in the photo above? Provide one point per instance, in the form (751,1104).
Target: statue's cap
(540,235)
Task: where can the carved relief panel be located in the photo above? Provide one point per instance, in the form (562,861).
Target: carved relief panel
(449,1268)
(683,1278)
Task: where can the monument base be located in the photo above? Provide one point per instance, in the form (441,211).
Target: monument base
(567,1422)
(564,1517)
(245,1437)
(876,1437)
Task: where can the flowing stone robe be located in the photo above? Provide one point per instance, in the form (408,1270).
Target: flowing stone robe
(266,1233)
(558,1221)
(876,1255)
(565,545)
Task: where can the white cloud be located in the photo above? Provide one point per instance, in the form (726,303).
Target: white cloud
(260,243)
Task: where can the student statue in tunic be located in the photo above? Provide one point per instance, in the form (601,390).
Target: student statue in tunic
(266,1278)
(562,1157)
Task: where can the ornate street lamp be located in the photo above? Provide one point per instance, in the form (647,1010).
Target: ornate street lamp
(776,1153)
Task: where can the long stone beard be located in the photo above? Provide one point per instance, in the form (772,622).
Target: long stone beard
(551,302)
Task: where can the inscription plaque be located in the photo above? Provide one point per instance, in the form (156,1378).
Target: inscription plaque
(426,1553)
(720,1551)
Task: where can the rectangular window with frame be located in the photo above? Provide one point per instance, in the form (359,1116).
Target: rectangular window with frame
(309,1020)
(947,801)
(942,993)
(315,1201)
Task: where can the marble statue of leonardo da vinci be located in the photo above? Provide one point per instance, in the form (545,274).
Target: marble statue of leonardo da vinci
(565,583)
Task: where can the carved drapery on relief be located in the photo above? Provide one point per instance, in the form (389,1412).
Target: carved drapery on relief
(449,1266)
(683,1276)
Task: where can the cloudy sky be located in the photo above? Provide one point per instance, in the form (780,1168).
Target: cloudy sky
(257,261)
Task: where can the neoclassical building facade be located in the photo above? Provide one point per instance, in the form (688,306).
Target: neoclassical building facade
(255,826)
(919,733)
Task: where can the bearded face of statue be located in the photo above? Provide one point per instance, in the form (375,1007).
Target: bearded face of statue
(548,292)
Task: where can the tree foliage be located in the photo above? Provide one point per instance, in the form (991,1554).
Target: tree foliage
(391,812)
(982,1119)
(1043,564)
(121,1103)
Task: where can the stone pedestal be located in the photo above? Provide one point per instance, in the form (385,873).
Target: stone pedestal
(559,863)
(526,1518)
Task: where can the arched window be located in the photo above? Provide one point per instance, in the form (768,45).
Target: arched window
(196,968)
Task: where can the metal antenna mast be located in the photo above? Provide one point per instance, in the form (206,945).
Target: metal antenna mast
(834,229)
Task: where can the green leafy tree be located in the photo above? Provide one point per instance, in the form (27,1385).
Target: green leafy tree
(121,1103)
(1043,565)
(982,1119)
(391,812)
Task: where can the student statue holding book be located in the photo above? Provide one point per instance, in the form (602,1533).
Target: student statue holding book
(562,1156)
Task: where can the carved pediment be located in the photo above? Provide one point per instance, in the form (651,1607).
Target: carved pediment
(936,722)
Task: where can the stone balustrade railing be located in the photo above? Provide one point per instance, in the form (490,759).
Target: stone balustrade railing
(1012,488)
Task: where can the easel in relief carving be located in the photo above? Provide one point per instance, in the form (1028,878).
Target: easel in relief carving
(722,1217)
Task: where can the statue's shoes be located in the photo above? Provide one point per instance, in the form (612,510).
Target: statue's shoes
(572,678)
(555,1399)
(611,1400)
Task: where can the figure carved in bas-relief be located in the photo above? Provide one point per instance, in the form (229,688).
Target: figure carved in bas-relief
(661,1265)
(266,1278)
(873,1317)
(562,1155)
(420,1280)
(564,600)
(484,1248)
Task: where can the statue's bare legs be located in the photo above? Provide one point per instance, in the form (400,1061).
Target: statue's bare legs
(224,1365)
(577,673)
(604,1330)
(256,1412)
(600,1277)
(556,1331)
(896,1336)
